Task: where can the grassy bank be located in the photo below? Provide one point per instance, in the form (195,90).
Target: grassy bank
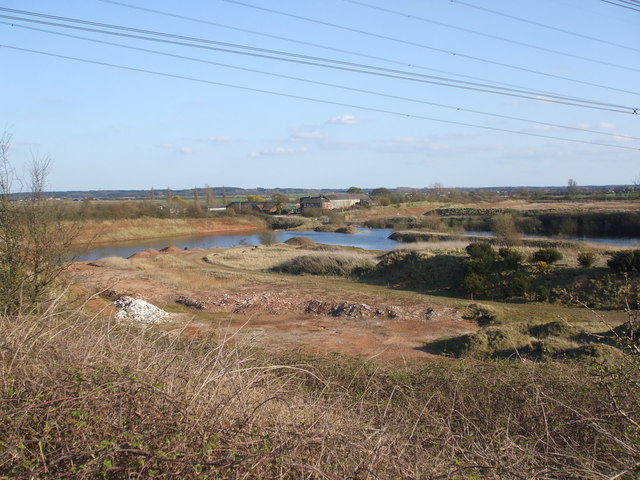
(111,231)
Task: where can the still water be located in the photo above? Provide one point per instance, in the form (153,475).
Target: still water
(366,238)
(369,239)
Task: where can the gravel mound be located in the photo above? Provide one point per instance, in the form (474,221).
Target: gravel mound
(136,310)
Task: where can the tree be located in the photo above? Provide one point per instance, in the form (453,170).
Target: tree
(504,228)
(572,187)
(224,196)
(355,190)
(168,195)
(211,196)
(34,239)
(279,200)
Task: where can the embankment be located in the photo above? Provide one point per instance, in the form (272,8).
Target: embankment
(110,231)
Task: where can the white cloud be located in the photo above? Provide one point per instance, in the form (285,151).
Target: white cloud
(300,134)
(217,140)
(279,151)
(607,125)
(185,150)
(344,120)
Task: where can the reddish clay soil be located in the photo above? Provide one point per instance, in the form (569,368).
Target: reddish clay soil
(286,315)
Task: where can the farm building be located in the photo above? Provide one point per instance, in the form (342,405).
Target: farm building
(264,207)
(332,201)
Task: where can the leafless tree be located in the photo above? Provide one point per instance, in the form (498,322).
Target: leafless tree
(34,239)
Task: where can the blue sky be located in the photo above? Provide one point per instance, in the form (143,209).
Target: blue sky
(248,121)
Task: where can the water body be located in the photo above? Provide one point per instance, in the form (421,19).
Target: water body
(369,239)
(366,238)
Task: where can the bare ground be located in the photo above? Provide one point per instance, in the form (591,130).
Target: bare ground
(229,300)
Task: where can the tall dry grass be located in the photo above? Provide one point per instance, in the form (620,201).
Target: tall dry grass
(84,397)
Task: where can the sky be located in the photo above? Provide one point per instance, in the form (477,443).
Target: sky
(322,93)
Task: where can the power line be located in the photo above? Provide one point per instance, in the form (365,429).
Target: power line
(414,44)
(342,87)
(325,47)
(316,100)
(625,4)
(542,25)
(328,63)
(488,35)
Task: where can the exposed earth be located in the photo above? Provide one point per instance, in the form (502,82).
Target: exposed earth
(228,293)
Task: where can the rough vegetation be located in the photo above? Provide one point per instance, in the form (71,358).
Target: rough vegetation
(79,402)
(338,264)
(84,395)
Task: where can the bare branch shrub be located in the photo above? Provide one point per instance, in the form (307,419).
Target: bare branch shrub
(34,240)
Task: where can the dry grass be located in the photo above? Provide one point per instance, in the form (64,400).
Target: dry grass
(82,397)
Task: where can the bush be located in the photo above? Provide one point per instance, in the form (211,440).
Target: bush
(547,255)
(474,285)
(519,285)
(483,256)
(625,261)
(586,259)
(512,258)
(342,265)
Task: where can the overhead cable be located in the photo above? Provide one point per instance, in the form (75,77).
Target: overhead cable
(489,35)
(324,47)
(625,4)
(339,65)
(327,84)
(316,100)
(542,25)
(414,44)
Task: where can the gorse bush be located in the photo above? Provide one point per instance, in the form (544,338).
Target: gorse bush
(483,256)
(512,258)
(546,255)
(625,261)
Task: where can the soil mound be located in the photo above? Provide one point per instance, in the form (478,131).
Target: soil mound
(170,249)
(149,252)
(300,242)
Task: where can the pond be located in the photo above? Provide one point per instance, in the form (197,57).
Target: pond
(368,239)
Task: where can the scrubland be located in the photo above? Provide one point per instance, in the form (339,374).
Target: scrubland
(304,361)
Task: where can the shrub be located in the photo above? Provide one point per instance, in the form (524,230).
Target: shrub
(625,261)
(519,285)
(483,256)
(474,284)
(586,259)
(512,258)
(547,255)
(335,265)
